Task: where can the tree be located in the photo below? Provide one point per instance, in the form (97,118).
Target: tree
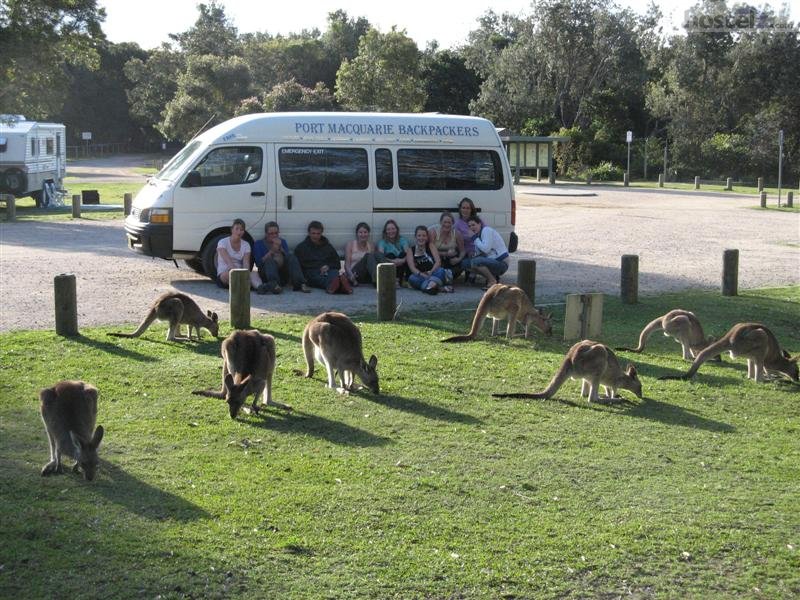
(153,83)
(384,76)
(275,60)
(449,84)
(39,41)
(212,33)
(343,35)
(290,95)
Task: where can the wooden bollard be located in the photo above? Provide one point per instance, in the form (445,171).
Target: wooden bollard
(790,199)
(589,179)
(239,298)
(526,277)
(697,182)
(730,273)
(629,279)
(583,317)
(729,184)
(11,206)
(76,206)
(763,199)
(66,304)
(625,179)
(386,290)
(660,180)
(127,201)
(760,184)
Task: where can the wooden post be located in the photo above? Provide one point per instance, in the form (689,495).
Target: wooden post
(696,182)
(11,206)
(730,273)
(625,179)
(729,184)
(526,277)
(239,285)
(126,203)
(386,290)
(790,199)
(660,180)
(76,206)
(760,184)
(763,199)
(583,317)
(589,179)
(629,279)
(66,304)
(538,174)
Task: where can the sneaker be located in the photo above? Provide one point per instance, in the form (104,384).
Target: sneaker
(406,284)
(262,289)
(333,286)
(277,290)
(304,288)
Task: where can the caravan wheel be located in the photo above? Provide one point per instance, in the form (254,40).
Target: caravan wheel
(15,181)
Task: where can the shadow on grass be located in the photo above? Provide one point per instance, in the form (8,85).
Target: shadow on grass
(418,407)
(135,495)
(298,422)
(112,348)
(208,346)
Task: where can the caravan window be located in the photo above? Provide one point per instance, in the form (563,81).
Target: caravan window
(230,166)
(449,169)
(34,146)
(49,146)
(323,168)
(383,169)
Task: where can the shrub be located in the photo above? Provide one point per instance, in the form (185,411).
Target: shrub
(606,171)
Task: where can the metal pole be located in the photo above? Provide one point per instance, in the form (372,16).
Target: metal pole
(645,159)
(666,143)
(780,163)
(629,161)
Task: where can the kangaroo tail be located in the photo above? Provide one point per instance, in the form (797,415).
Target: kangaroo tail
(477,322)
(708,353)
(148,320)
(520,395)
(308,352)
(555,383)
(652,326)
(209,393)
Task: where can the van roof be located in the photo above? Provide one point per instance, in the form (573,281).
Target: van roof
(355,127)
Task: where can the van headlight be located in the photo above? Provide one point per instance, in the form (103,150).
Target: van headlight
(159,215)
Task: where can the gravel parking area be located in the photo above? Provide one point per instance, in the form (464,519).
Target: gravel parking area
(576,235)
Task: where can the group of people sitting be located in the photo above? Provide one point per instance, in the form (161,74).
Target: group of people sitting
(430,263)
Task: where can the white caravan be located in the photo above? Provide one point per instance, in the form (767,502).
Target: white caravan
(33,157)
(337,168)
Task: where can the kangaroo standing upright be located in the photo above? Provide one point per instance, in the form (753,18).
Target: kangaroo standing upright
(178,309)
(334,340)
(69,413)
(248,362)
(754,342)
(506,302)
(595,364)
(681,325)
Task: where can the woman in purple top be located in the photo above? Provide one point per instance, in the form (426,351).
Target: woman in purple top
(466,209)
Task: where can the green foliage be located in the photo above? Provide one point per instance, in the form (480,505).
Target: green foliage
(290,95)
(212,33)
(449,84)
(384,77)
(154,81)
(606,171)
(432,490)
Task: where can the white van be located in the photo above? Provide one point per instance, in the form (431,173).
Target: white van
(337,168)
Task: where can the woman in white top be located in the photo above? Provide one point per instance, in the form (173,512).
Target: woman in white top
(361,258)
(233,252)
(493,259)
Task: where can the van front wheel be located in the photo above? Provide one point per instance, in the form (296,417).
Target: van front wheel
(208,255)
(196,265)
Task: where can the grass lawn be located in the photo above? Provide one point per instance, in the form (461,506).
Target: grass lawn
(432,490)
(110,194)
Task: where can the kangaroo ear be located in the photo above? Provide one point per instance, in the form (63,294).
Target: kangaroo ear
(631,371)
(214,317)
(98,436)
(228,383)
(373,361)
(786,355)
(208,314)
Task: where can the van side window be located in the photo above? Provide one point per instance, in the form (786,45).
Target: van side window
(383,169)
(323,168)
(449,169)
(230,166)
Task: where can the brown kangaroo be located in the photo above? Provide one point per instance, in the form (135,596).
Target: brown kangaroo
(681,325)
(752,341)
(69,412)
(179,309)
(334,340)
(595,364)
(248,362)
(506,302)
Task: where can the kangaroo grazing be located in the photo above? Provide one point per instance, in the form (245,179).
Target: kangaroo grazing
(179,309)
(248,362)
(506,302)
(334,340)
(754,342)
(595,364)
(69,412)
(681,325)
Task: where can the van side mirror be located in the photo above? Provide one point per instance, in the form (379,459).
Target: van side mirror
(193,179)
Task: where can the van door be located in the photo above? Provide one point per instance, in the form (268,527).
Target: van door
(322,182)
(228,182)
(385,192)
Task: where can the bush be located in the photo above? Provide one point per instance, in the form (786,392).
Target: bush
(606,171)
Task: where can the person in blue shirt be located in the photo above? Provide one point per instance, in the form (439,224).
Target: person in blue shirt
(277,266)
(394,246)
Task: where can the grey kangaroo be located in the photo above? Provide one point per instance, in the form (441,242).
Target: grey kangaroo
(248,362)
(681,325)
(752,341)
(595,364)
(178,309)
(334,340)
(506,302)
(69,412)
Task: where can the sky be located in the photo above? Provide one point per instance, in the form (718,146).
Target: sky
(148,22)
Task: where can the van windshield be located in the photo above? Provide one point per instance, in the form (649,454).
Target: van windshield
(175,165)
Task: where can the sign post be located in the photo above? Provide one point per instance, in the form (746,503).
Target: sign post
(780,164)
(629,139)
(86,136)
